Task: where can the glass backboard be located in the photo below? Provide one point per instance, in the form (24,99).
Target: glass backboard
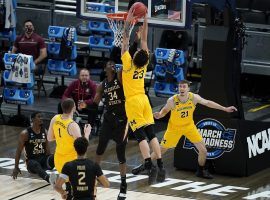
(161,13)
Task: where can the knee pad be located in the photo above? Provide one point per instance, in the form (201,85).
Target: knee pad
(121,153)
(50,162)
(139,135)
(149,131)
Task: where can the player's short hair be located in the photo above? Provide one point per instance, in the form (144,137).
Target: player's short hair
(33,115)
(67,105)
(141,58)
(184,81)
(81,145)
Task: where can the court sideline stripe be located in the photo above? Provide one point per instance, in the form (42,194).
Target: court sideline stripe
(258,108)
(29,192)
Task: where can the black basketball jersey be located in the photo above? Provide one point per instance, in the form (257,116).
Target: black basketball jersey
(36,144)
(82,174)
(114,96)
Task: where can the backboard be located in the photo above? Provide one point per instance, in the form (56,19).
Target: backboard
(161,13)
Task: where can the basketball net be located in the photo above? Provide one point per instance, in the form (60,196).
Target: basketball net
(117,23)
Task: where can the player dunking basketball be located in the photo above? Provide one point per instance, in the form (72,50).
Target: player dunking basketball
(64,131)
(138,109)
(114,125)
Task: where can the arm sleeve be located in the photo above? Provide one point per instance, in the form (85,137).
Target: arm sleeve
(126,60)
(133,48)
(93,88)
(98,170)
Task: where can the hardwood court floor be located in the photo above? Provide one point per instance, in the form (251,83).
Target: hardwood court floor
(178,185)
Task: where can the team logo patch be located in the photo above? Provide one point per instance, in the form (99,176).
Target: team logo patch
(216,137)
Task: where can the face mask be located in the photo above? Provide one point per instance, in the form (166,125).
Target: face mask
(84,84)
(28,30)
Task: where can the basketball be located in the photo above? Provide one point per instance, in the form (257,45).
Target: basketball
(139,9)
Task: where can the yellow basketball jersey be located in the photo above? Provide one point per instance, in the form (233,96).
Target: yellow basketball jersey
(64,141)
(182,113)
(133,79)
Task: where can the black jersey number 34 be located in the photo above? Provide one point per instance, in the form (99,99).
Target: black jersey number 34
(138,74)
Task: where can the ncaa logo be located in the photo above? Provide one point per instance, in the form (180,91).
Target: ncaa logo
(216,137)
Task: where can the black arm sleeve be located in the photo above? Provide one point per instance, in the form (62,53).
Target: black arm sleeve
(98,170)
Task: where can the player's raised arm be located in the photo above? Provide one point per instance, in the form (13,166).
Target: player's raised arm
(144,34)
(125,45)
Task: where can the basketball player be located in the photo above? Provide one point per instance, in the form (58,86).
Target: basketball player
(37,152)
(81,173)
(115,121)
(64,131)
(138,109)
(181,122)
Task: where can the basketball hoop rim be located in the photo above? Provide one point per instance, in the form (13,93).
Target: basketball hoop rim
(119,16)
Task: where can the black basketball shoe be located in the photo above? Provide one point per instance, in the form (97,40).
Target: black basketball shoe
(161,174)
(152,173)
(138,169)
(204,173)
(123,192)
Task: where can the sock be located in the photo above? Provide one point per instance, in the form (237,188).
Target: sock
(148,163)
(200,167)
(123,179)
(159,163)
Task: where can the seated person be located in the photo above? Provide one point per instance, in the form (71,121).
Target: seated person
(34,142)
(82,91)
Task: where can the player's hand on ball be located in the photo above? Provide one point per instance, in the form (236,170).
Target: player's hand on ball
(87,130)
(157,115)
(231,109)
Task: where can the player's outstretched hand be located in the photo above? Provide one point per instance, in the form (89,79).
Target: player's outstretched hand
(157,115)
(15,172)
(230,109)
(87,130)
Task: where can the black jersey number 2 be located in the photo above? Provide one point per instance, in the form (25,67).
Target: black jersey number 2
(138,74)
